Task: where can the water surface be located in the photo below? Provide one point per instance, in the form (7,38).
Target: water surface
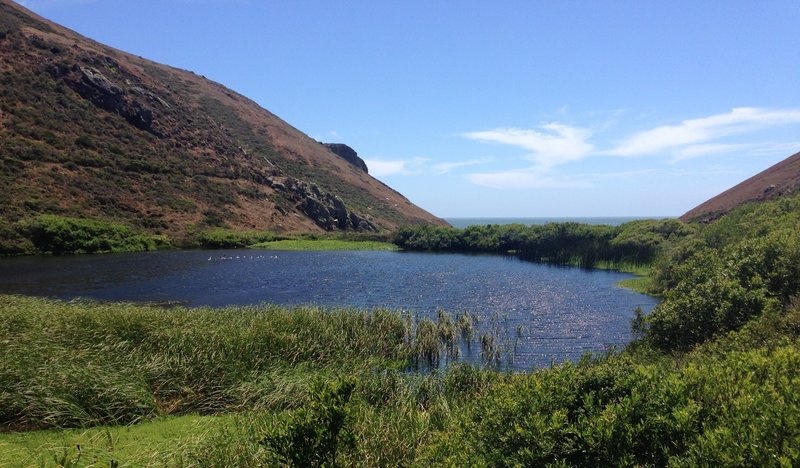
(548,313)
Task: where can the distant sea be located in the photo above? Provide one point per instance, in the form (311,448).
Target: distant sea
(609,220)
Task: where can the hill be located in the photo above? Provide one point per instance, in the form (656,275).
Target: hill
(779,180)
(92,132)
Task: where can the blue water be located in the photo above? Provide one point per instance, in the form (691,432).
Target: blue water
(548,313)
(609,220)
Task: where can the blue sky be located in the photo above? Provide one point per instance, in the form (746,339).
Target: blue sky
(507,108)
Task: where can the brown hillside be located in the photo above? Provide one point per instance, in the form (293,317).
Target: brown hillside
(781,179)
(90,131)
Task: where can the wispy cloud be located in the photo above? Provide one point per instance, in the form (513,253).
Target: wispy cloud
(522,179)
(696,131)
(528,178)
(551,144)
(444,168)
(383,167)
(555,144)
(707,149)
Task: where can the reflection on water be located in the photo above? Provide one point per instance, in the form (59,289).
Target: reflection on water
(547,313)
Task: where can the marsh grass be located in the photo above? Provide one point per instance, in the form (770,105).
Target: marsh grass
(632,408)
(77,365)
(83,363)
(325,244)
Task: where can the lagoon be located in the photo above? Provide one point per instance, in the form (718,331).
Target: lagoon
(545,313)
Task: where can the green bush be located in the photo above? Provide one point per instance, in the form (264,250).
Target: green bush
(62,235)
(634,243)
(226,239)
(720,290)
(312,435)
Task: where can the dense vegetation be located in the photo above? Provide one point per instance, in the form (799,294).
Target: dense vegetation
(61,235)
(52,234)
(633,243)
(711,379)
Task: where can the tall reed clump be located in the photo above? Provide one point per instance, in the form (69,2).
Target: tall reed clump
(81,364)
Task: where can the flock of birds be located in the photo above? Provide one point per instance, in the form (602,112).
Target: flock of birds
(243,257)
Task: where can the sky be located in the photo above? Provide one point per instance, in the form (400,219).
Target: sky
(503,108)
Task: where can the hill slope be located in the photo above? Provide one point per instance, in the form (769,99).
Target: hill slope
(779,180)
(90,131)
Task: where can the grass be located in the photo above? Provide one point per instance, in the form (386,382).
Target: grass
(116,384)
(137,445)
(324,244)
(128,385)
(86,364)
(640,284)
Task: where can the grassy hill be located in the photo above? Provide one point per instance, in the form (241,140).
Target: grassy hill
(777,181)
(87,131)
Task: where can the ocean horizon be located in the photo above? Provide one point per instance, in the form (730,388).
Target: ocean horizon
(462,222)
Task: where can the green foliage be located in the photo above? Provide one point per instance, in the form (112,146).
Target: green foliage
(731,401)
(61,235)
(323,244)
(12,242)
(83,364)
(84,141)
(727,273)
(634,243)
(220,238)
(312,435)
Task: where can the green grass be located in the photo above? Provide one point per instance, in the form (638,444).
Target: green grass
(640,284)
(324,244)
(256,386)
(85,364)
(138,445)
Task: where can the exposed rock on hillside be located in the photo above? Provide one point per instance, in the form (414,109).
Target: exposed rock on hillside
(90,131)
(348,154)
(779,180)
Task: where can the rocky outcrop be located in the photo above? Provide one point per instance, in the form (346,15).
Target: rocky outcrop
(82,145)
(348,154)
(102,92)
(326,210)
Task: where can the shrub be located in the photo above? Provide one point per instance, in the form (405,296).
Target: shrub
(62,235)
(312,435)
(84,141)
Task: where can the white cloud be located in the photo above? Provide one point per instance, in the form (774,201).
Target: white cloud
(614,175)
(557,144)
(382,167)
(393,167)
(444,168)
(521,179)
(529,178)
(696,151)
(787,148)
(696,131)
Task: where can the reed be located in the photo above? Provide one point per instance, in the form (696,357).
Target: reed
(83,363)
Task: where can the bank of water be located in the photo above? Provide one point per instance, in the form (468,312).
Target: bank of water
(540,313)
